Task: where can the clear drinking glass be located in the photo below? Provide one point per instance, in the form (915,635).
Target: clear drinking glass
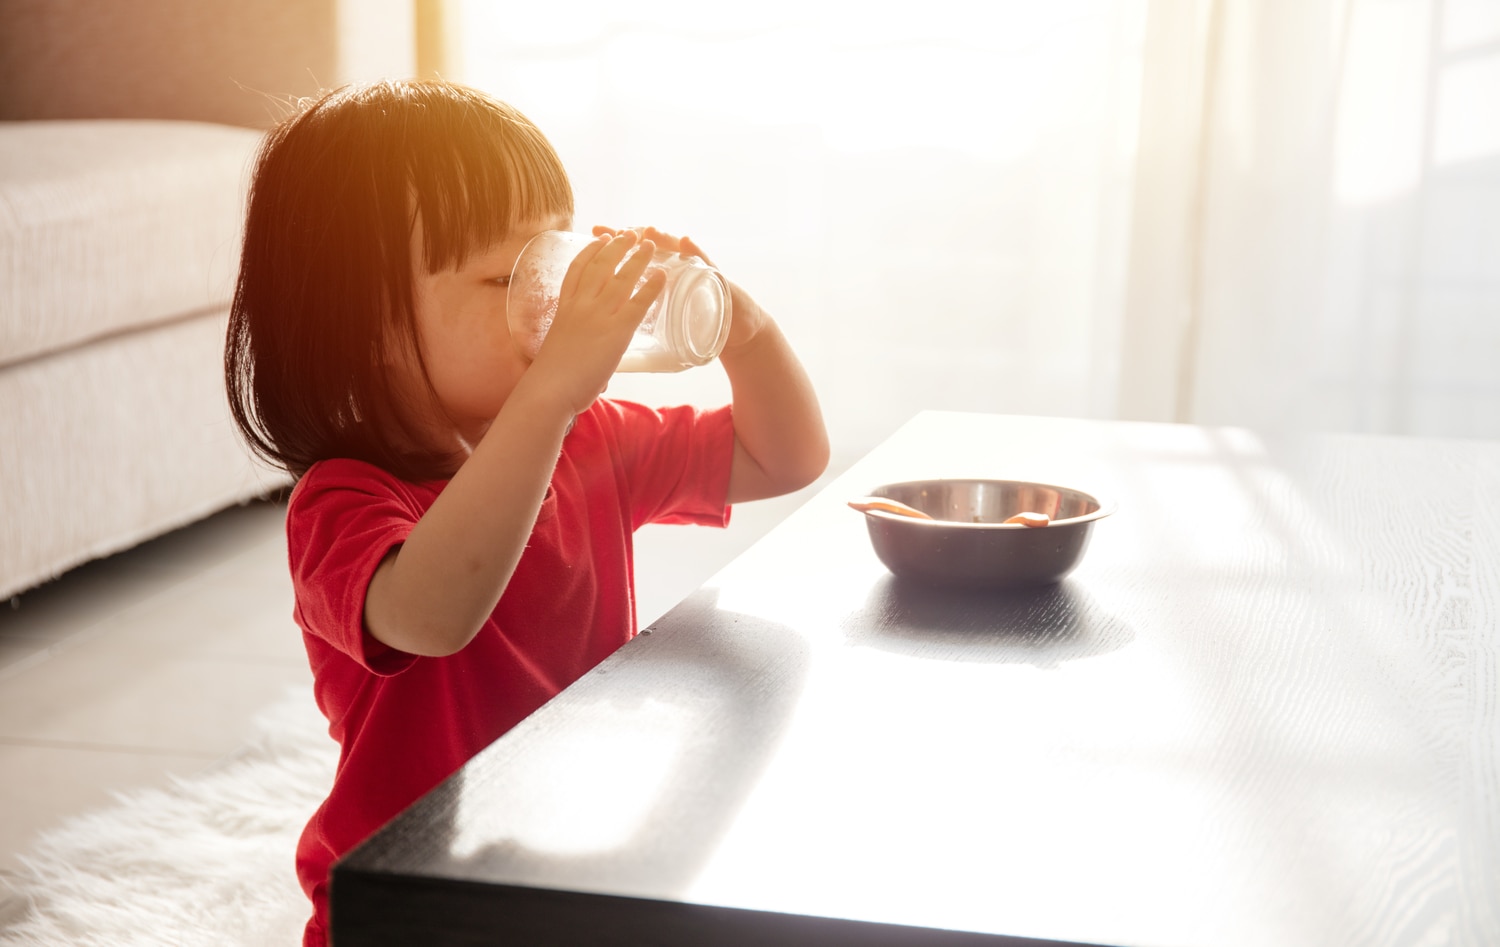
(687,325)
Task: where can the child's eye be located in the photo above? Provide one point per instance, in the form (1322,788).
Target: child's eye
(502,281)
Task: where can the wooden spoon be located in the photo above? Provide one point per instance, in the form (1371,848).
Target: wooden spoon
(1030,519)
(887,505)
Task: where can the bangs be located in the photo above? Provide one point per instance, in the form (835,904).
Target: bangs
(481,170)
(324,300)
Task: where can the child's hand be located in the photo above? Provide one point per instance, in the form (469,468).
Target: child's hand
(599,307)
(781,444)
(745,317)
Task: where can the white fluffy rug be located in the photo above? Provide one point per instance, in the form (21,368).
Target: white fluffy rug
(207,861)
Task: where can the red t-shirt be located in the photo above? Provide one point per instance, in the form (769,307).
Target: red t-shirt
(404,723)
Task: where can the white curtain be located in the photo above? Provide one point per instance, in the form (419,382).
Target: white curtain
(1341,267)
(1282,214)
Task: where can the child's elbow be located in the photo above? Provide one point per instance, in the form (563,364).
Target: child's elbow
(807,466)
(426,639)
(817,463)
(785,471)
(445,642)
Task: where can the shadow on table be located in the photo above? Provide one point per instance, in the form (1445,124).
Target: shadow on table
(591,819)
(1045,626)
(625,782)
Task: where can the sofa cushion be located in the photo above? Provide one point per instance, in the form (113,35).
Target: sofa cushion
(115,442)
(109,225)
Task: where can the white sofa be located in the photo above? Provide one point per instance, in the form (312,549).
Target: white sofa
(118,244)
(127,130)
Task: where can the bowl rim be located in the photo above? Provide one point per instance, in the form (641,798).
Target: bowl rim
(1107,504)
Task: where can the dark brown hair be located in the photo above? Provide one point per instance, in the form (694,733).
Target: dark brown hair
(324,298)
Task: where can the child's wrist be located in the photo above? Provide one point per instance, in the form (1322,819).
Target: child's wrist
(545,399)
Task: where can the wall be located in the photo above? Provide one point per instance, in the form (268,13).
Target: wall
(233,61)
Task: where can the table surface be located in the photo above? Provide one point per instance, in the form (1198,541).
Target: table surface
(1262,711)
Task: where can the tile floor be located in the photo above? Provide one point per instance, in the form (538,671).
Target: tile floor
(153,662)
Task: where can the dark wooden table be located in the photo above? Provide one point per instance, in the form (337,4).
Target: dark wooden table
(1265,710)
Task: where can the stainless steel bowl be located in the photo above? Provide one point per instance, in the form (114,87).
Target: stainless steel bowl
(968,544)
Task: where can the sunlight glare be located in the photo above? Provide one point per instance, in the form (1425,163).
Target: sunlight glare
(1378,143)
(964,101)
(1470,23)
(980,80)
(487,24)
(565,92)
(598,785)
(1468,111)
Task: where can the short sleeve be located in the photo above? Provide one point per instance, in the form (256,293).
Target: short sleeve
(676,461)
(343,518)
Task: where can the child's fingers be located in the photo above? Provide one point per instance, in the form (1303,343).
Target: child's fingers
(666,240)
(574,276)
(597,273)
(634,308)
(689,248)
(633,267)
(628,275)
(616,231)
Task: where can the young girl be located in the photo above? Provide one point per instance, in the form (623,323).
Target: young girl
(460,532)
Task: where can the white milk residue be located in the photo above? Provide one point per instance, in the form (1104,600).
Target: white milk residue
(641,359)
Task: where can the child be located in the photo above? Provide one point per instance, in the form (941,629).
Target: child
(460,532)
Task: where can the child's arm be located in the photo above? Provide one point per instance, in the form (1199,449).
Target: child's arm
(780,444)
(433,593)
